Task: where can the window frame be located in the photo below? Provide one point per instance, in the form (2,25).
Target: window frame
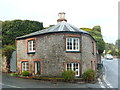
(72,67)
(77,47)
(24,68)
(33,46)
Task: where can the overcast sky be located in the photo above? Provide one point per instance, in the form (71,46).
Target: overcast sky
(80,13)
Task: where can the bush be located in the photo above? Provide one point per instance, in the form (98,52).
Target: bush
(20,76)
(68,75)
(89,75)
(25,73)
(14,74)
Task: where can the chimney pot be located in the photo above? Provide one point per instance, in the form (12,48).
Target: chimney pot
(61,16)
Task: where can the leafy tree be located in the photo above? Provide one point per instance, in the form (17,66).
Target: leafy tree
(97,28)
(100,44)
(16,28)
(117,43)
(110,48)
(96,33)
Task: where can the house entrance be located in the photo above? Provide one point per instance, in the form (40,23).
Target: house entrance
(37,67)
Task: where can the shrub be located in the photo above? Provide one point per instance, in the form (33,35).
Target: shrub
(89,75)
(25,73)
(20,76)
(14,74)
(68,75)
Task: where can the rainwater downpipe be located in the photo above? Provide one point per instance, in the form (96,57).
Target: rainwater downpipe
(81,54)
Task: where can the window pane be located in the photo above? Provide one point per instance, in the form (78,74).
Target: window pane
(25,66)
(72,44)
(74,67)
(31,45)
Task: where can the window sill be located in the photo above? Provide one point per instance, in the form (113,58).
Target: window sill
(73,51)
(30,52)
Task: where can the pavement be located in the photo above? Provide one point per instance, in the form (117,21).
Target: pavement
(14,82)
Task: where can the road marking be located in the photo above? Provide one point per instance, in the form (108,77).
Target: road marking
(104,78)
(108,84)
(100,82)
(10,85)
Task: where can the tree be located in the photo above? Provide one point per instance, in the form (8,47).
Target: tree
(117,43)
(96,33)
(110,48)
(100,44)
(97,28)
(16,28)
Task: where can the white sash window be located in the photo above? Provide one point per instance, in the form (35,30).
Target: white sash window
(31,46)
(72,44)
(25,66)
(74,67)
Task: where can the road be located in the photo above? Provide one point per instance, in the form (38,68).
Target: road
(13,82)
(110,76)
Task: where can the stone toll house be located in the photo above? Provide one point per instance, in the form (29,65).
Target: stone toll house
(49,52)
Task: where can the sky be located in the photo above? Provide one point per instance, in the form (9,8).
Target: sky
(80,13)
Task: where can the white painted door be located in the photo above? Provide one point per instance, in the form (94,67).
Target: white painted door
(37,67)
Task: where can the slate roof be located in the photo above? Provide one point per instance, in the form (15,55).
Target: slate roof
(60,27)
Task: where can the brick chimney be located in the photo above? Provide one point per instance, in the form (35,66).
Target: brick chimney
(61,16)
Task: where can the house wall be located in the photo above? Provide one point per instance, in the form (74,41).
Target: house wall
(50,51)
(89,59)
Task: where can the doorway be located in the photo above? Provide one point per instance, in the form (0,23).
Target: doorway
(37,67)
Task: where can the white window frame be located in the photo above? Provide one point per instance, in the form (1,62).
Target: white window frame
(77,45)
(31,45)
(25,66)
(72,68)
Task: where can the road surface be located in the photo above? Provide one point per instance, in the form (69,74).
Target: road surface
(111,73)
(13,82)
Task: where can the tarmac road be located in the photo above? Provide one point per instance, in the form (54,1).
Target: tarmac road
(111,72)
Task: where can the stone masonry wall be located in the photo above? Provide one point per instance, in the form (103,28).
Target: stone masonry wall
(50,50)
(87,56)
